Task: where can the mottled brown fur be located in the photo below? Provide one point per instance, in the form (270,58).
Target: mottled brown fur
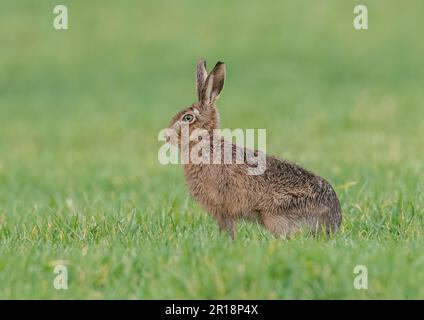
(284,199)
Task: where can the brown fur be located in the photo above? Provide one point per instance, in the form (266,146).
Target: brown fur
(284,199)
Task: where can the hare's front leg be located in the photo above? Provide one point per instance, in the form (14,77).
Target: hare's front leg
(226,224)
(279,225)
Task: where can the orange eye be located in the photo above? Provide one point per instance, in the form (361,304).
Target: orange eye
(188,118)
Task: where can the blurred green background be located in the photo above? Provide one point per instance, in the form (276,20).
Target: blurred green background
(81,109)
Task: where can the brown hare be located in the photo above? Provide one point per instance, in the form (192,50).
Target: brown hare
(284,198)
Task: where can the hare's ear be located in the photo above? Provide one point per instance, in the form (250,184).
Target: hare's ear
(214,84)
(201,75)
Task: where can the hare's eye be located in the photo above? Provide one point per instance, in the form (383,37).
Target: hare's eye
(188,118)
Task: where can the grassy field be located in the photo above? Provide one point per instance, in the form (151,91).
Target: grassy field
(80,111)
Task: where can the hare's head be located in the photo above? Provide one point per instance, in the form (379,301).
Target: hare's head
(202,114)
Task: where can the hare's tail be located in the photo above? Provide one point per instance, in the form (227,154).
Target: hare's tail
(318,215)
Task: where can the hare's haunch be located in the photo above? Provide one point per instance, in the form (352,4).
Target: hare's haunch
(284,197)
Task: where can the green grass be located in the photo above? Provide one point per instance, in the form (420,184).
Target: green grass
(80,111)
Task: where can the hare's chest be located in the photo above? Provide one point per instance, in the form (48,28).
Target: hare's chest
(207,185)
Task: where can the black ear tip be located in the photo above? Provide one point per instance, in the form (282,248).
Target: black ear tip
(219,65)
